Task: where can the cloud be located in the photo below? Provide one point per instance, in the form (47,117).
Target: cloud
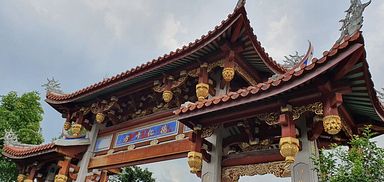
(171,27)
(80,42)
(280,36)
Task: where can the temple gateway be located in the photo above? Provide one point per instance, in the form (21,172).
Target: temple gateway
(221,102)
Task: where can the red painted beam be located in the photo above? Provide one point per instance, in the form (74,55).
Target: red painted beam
(252,159)
(154,153)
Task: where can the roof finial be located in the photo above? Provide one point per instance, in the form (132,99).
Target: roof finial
(52,85)
(10,137)
(353,20)
(296,60)
(240,3)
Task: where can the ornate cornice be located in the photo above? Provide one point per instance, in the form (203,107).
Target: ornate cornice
(233,173)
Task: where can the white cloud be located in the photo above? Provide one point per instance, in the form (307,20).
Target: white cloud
(170,29)
(280,36)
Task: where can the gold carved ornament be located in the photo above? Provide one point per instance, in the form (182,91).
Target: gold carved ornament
(76,129)
(67,125)
(269,118)
(208,131)
(233,173)
(167,95)
(61,178)
(202,91)
(20,177)
(332,124)
(316,108)
(164,88)
(28,180)
(100,108)
(289,147)
(228,73)
(195,160)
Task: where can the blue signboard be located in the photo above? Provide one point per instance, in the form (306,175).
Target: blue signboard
(146,133)
(103,143)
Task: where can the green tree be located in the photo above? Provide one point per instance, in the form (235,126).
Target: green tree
(22,114)
(363,161)
(134,174)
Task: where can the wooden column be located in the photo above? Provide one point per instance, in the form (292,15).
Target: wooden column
(332,120)
(195,157)
(289,144)
(104,176)
(62,175)
(31,175)
(229,63)
(202,88)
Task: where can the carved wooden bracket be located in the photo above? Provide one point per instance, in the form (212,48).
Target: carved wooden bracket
(269,118)
(106,107)
(316,108)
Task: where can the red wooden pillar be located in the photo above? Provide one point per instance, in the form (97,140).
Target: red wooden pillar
(229,67)
(31,174)
(332,120)
(202,88)
(104,176)
(62,175)
(195,157)
(289,144)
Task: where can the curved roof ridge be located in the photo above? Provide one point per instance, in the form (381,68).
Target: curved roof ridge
(288,76)
(58,98)
(20,151)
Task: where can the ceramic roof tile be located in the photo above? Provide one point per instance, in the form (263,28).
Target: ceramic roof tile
(20,151)
(185,49)
(253,90)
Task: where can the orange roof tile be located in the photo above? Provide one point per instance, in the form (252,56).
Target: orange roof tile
(21,151)
(273,65)
(290,75)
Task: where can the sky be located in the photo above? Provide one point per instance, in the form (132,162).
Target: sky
(81,42)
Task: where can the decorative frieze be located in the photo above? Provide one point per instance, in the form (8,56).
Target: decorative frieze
(316,108)
(233,173)
(269,118)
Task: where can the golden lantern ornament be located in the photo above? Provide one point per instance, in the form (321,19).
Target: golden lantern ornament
(202,91)
(67,125)
(100,117)
(167,96)
(76,128)
(228,73)
(195,160)
(61,178)
(20,178)
(289,147)
(332,124)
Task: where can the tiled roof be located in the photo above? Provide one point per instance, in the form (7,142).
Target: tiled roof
(260,88)
(186,49)
(22,151)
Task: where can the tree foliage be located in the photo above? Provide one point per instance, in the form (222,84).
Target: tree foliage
(363,161)
(134,174)
(23,114)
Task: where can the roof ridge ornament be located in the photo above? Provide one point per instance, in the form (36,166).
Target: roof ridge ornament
(240,3)
(296,60)
(353,20)
(10,138)
(52,85)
